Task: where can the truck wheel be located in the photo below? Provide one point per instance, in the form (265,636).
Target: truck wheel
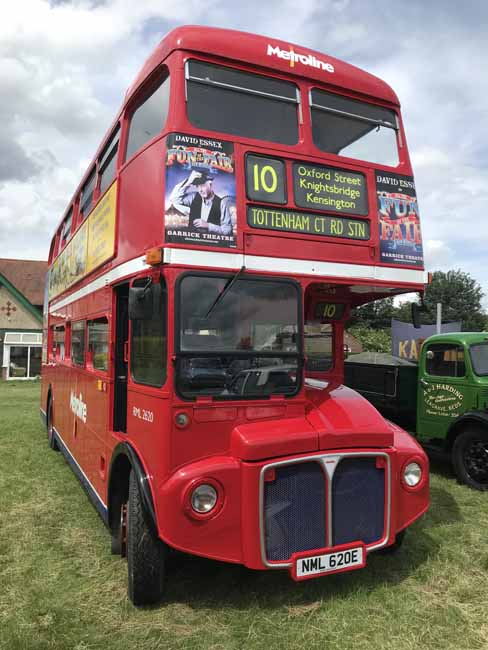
(146,554)
(470,458)
(51,440)
(388,550)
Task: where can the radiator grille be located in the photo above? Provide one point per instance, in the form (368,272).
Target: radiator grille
(294,510)
(358,501)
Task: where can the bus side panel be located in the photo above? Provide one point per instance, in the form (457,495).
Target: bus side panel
(148,429)
(95,430)
(141,202)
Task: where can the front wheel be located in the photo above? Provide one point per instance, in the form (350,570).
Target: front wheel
(146,554)
(470,458)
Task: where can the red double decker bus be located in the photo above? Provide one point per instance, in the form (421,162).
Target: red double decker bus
(248,195)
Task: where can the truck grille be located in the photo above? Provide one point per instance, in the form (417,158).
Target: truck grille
(295,506)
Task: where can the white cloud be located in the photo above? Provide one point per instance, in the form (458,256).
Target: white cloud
(65,66)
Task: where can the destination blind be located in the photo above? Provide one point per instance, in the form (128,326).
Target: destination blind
(329,189)
(306,223)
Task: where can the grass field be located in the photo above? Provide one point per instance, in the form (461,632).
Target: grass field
(61,588)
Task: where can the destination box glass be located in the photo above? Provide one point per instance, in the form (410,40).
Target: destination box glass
(321,225)
(329,189)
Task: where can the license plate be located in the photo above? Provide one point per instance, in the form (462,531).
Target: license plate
(341,558)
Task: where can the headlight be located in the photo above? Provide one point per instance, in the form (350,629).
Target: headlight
(204,498)
(412,474)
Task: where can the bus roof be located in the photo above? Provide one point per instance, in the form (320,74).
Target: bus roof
(266,52)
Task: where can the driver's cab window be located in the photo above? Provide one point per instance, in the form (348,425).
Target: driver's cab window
(319,349)
(445,360)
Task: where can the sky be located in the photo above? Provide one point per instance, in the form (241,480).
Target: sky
(65,66)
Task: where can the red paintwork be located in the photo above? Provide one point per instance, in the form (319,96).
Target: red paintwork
(228,443)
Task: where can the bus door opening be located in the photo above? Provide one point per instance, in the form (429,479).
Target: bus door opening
(121,360)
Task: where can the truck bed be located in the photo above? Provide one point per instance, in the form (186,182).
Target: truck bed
(388,382)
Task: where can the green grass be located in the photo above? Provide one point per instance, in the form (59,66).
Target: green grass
(61,588)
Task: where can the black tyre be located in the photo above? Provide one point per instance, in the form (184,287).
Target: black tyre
(388,550)
(470,458)
(51,440)
(146,555)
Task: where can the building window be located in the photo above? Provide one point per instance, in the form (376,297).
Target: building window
(22,355)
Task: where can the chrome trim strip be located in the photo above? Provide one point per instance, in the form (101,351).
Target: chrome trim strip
(321,459)
(248,91)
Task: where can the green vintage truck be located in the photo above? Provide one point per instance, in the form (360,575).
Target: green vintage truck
(442,401)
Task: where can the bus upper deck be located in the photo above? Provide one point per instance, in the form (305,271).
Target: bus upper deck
(283,161)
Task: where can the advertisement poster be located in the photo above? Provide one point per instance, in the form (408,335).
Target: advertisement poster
(200,204)
(399,223)
(92,245)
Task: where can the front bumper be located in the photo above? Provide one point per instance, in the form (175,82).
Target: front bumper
(273,509)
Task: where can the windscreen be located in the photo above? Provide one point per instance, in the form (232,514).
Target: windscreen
(479,358)
(240,103)
(355,129)
(237,338)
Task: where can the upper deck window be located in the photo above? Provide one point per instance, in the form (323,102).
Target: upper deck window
(355,129)
(108,162)
(86,201)
(66,228)
(148,118)
(240,103)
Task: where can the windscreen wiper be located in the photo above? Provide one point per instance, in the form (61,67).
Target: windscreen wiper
(224,291)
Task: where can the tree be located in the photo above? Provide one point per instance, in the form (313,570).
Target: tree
(377,315)
(460,296)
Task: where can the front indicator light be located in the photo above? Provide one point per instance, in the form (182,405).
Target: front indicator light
(204,498)
(412,474)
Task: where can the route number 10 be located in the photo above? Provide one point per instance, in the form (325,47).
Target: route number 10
(266,178)
(329,311)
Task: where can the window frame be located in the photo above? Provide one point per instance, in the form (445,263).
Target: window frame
(110,151)
(91,176)
(64,237)
(238,354)
(151,85)
(297,101)
(354,116)
(73,330)
(458,347)
(164,322)
(89,356)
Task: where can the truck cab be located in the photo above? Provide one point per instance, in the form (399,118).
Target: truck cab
(452,402)
(442,401)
